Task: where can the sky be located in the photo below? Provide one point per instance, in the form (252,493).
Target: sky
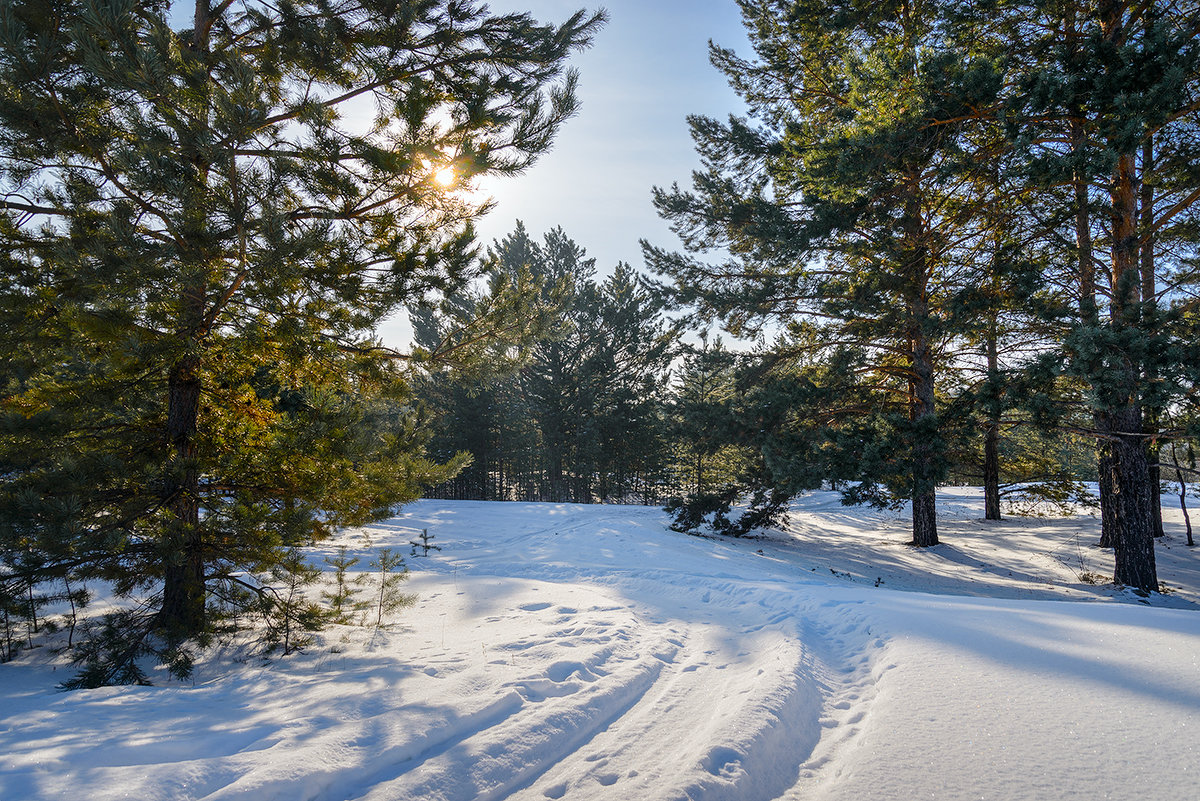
(646,71)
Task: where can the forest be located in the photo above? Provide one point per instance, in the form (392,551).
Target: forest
(949,243)
(864,471)
(960,242)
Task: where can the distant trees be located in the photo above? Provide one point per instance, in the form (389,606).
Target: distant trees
(580,415)
(200,230)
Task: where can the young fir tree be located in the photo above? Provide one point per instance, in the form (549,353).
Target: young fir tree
(201,229)
(848,221)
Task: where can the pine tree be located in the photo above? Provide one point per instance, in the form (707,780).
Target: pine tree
(551,381)
(848,220)
(342,598)
(571,408)
(1106,103)
(628,371)
(708,458)
(389,599)
(202,228)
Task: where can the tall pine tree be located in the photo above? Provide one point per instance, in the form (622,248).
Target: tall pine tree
(847,219)
(203,227)
(1108,107)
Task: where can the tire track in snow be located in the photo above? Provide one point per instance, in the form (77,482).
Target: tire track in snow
(722,723)
(718,722)
(850,660)
(496,760)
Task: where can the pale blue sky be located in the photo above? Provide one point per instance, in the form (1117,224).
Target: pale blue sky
(647,70)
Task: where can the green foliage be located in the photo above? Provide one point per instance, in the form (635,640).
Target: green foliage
(114,646)
(343,601)
(709,455)
(851,211)
(764,508)
(389,599)
(201,230)
(963,218)
(424,543)
(286,611)
(573,410)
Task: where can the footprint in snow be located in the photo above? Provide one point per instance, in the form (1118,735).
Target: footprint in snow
(537,606)
(722,761)
(561,671)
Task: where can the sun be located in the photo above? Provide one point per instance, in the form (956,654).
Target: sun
(445,176)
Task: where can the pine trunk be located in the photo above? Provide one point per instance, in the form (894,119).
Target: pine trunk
(991,436)
(1150,321)
(1108,509)
(924,501)
(991,473)
(1133,539)
(1086,267)
(925,459)
(182,612)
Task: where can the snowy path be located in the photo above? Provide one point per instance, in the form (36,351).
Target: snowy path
(587,653)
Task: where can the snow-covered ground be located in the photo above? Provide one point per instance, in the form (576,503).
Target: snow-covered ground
(587,652)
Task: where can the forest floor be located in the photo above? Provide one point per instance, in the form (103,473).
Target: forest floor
(588,652)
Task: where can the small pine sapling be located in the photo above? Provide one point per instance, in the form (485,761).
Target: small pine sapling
(1187,518)
(392,573)
(288,612)
(78,597)
(342,600)
(424,542)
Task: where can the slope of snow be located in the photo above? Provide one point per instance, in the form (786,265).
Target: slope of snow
(586,652)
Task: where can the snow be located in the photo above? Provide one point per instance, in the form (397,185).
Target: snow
(587,652)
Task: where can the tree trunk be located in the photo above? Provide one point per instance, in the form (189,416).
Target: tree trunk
(182,612)
(1187,518)
(1108,509)
(1150,322)
(1089,315)
(991,436)
(923,413)
(1133,540)
(924,501)
(991,473)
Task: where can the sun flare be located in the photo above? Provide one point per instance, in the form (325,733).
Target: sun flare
(445,176)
